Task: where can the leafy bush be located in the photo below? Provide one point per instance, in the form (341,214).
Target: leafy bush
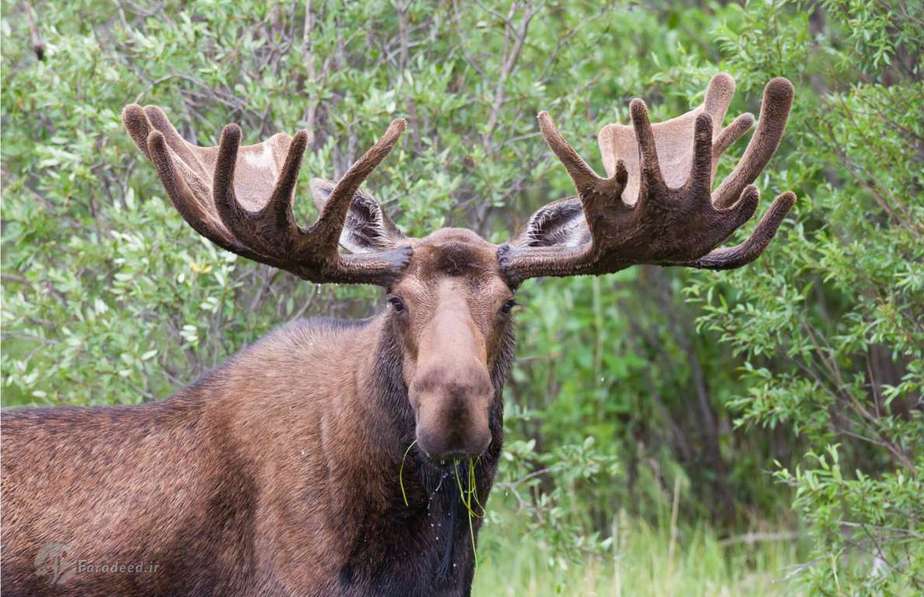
(786,393)
(832,335)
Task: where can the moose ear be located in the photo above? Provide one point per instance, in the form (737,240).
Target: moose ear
(367,228)
(558,224)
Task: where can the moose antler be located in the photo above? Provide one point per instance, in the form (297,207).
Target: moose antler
(240,198)
(656,204)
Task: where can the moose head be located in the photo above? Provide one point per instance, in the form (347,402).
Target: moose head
(450,294)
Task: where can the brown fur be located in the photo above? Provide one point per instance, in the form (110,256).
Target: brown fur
(278,472)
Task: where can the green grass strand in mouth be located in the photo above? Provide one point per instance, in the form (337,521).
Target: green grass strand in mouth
(467,495)
(401,472)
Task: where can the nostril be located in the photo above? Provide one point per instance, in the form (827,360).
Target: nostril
(453,454)
(442,446)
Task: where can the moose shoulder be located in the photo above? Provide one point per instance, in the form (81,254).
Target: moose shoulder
(278,472)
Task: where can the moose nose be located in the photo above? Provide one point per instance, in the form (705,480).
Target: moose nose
(453,416)
(440,446)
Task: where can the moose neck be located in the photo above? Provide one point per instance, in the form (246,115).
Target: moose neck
(422,539)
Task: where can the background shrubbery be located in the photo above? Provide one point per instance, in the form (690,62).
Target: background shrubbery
(667,429)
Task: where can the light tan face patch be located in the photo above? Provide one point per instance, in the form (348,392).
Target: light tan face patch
(450,309)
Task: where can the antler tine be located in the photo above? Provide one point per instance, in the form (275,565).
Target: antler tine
(136,123)
(279,207)
(718,98)
(581,173)
(651,181)
(334,213)
(183,150)
(587,182)
(699,182)
(731,133)
(271,230)
(749,250)
(719,94)
(774,111)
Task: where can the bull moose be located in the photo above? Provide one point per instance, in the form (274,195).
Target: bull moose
(275,473)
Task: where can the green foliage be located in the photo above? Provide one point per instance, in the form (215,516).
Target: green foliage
(789,391)
(641,560)
(833,344)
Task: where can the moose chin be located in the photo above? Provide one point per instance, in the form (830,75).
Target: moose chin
(318,461)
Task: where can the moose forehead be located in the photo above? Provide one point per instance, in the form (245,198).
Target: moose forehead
(454,253)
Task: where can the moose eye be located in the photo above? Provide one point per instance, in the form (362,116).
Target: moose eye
(396,303)
(508,306)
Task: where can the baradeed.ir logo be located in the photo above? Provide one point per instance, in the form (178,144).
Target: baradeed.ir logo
(55,561)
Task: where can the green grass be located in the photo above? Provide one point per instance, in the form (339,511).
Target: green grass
(642,561)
